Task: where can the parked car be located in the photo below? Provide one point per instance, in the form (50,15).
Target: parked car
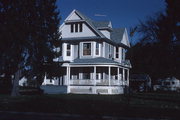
(167,84)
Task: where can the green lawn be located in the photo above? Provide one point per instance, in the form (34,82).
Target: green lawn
(134,105)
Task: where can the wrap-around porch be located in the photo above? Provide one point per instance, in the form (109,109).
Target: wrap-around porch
(97,75)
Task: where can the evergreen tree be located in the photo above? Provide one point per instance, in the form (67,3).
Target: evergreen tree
(29,32)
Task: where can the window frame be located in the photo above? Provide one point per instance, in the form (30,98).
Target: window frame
(123,50)
(80,27)
(83,48)
(110,51)
(117,52)
(76,27)
(99,48)
(72,27)
(68,50)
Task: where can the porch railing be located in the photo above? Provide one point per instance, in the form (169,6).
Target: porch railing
(100,82)
(82,82)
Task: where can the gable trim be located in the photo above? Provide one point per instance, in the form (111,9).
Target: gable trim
(74,11)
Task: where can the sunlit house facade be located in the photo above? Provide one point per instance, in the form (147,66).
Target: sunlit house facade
(93,57)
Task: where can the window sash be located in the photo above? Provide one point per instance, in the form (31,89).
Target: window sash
(80,27)
(68,51)
(72,28)
(117,52)
(123,54)
(76,27)
(86,49)
(97,49)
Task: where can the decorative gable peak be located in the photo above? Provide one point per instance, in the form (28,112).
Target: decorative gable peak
(74,16)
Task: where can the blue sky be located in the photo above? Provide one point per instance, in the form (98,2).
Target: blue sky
(122,13)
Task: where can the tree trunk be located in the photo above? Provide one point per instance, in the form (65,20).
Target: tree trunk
(15,89)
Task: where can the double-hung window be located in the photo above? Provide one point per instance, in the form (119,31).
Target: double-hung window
(110,51)
(97,49)
(86,49)
(117,52)
(123,53)
(68,52)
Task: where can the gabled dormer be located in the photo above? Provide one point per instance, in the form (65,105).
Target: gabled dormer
(78,25)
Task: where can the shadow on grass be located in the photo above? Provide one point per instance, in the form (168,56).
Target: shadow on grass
(134,105)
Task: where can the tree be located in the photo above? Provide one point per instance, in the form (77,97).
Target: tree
(157,53)
(29,32)
(46,28)
(12,38)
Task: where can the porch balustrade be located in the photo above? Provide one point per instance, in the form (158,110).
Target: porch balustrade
(101,82)
(82,82)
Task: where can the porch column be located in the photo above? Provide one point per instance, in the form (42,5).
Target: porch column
(109,76)
(67,69)
(68,79)
(123,80)
(118,75)
(127,77)
(94,76)
(69,74)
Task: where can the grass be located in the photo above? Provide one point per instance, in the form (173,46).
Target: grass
(158,105)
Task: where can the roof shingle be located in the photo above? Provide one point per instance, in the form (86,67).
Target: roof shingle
(98,60)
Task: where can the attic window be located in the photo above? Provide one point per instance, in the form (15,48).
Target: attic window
(76,27)
(72,28)
(80,27)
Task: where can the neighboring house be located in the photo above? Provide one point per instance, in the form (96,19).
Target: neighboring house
(140,82)
(50,81)
(168,84)
(93,56)
(23,81)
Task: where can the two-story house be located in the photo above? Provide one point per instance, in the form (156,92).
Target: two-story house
(93,56)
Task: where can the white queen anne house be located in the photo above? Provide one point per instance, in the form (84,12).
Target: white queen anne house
(93,57)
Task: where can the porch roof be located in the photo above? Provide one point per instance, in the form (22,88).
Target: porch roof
(92,61)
